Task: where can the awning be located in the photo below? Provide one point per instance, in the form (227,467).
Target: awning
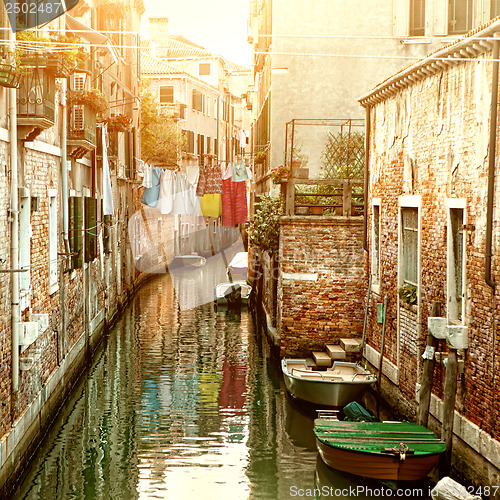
(92,36)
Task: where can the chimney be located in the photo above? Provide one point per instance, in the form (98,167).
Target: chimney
(158,32)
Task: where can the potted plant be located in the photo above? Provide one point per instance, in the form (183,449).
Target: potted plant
(93,98)
(119,123)
(9,75)
(408,293)
(279,174)
(260,157)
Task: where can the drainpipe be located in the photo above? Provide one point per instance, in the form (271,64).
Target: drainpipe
(61,333)
(64,167)
(14,217)
(367,163)
(491,168)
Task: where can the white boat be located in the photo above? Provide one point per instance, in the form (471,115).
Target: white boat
(234,293)
(189,260)
(336,386)
(238,267)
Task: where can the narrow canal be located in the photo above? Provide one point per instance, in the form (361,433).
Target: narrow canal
(184,404)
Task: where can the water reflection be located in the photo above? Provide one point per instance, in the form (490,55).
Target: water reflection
(178,404)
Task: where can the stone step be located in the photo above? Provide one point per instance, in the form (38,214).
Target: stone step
(335,352)
(321,358)
(350,345)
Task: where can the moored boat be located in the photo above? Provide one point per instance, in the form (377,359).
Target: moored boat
(232,294)
(187,261)
(336,386)
(395,451)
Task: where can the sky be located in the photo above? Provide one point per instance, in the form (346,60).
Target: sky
(218,25)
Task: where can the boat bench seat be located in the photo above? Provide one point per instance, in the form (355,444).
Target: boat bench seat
(308,374)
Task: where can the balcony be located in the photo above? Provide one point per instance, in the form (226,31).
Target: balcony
(176,110)
(36,107)
(81,131)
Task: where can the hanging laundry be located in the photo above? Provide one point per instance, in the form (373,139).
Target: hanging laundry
(240,202)
(239,172)
(150,195)
(227,203)
(211,205)
(226,170)
(242,138)
(181,195)
(166,194)
(146,172)
(210,180)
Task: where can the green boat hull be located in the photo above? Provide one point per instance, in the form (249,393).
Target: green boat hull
(397,451)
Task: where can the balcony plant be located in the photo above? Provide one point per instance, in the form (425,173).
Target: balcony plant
(260,157)
(60,53)
(280,173)
(119,123)
(9,75)
(93,98)
(408,293)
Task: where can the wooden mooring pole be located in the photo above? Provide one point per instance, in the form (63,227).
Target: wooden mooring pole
(427,373)
(450,394)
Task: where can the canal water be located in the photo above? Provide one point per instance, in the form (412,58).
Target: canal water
(185,403)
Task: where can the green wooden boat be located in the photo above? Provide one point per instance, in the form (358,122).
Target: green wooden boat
(397,451)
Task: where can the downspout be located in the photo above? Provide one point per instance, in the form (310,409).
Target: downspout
(64,166)
(61,332)
(14,217)
(491,168)
(367,166)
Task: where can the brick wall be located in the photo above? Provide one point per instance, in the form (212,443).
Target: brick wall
(431,140)
(322,282)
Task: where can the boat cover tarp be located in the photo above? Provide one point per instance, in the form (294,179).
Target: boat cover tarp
(354,412)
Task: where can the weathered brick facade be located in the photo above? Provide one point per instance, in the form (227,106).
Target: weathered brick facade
(322,285)
(429,149)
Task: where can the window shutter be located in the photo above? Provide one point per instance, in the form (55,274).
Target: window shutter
(75,226)
(90,230)
(77,233)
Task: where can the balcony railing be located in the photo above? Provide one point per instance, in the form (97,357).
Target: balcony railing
(36,107)
(176,110)
(81,130)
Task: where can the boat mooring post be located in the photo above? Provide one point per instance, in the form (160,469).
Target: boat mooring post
(450,394)
(382,344)
(363,338)
(427,373)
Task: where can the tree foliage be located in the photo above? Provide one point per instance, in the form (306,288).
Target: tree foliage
(264,230)
(162,141)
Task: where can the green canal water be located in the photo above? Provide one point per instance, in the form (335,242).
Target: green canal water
(185,404)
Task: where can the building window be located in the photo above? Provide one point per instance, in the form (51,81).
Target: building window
(459,16)
(204,69)
(409,223)
(166,94)
(208,105)
(208,145)
(417,17)
(456,265)
(376,243)
(52,241)
(197,100)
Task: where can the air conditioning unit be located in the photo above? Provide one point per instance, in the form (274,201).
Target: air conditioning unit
(28,333)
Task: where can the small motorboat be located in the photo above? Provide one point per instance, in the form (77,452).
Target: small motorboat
(336,386)
(238,267)
(187,261)
(394,451)
(232,294)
